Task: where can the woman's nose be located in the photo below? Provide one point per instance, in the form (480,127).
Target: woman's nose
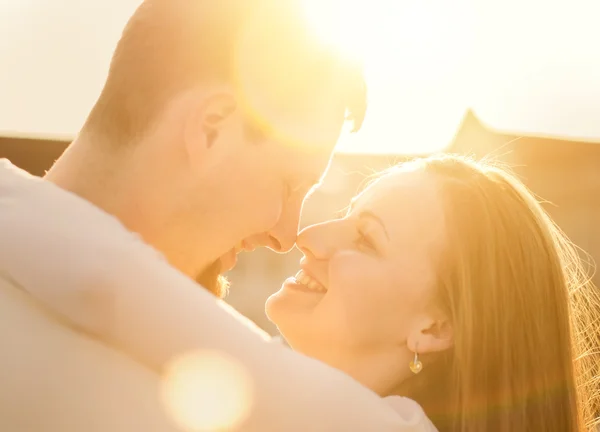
(316,241)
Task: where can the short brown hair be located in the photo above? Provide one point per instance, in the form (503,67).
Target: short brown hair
(170,45)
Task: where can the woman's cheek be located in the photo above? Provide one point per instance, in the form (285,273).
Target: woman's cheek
(355,273)
(355,283)
(346,270)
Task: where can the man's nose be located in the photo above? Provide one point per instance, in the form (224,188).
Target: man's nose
(282,237)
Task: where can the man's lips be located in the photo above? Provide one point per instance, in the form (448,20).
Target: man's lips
(229,259)
(247,246)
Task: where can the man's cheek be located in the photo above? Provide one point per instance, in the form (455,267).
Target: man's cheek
(269,209)
(209,278)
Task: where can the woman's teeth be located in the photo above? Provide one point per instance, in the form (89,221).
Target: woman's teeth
(304,279)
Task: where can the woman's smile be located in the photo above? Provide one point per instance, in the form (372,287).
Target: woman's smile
(304,282)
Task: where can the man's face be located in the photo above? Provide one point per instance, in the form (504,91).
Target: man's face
(212,279)
(253,188)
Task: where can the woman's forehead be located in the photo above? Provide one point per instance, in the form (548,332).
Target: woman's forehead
(407,202)
(395,188)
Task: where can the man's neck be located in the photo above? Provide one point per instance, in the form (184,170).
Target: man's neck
(124,183)
(108,178)
(85,171)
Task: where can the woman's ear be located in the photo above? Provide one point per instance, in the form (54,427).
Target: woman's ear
(431,335)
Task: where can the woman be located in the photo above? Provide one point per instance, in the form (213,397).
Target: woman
(448,283)
(445,283)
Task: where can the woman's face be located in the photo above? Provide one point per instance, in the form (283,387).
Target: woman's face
(367,282)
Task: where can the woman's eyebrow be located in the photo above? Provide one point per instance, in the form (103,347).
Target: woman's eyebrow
(353,203)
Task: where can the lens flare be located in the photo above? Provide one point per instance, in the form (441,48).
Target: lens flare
(207,391)
(416,55)
(341,24)
(290,83)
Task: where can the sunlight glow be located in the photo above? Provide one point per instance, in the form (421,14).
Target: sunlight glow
(338,22)
(207,391)
(529,66)
(416,56)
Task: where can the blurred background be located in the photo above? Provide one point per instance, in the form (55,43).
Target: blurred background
(518,80)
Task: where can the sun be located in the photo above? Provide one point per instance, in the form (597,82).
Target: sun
(416,57)
(341,23)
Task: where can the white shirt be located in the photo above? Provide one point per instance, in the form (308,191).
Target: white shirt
(105,283)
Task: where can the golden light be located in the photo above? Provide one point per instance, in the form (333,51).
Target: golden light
(534,67)
(207,391)
(335,22)
(416,54)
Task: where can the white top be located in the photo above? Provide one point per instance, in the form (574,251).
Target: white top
(104,282)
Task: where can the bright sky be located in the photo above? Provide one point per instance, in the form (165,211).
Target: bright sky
(525,66)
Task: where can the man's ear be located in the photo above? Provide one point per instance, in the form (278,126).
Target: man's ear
(208,117)
(431,335)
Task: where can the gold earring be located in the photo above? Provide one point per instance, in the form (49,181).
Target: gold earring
(416,366)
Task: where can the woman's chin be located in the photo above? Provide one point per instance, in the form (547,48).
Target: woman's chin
(291,310)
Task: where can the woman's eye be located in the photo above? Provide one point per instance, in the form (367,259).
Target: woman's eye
(365,242)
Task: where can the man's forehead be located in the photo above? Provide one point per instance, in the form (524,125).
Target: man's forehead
(308,138)
(309,162)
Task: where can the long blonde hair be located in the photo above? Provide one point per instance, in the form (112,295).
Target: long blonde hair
(525,315)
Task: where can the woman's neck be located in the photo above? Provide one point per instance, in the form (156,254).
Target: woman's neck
(382,372)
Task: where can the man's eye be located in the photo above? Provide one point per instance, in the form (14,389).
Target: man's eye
(291,189)
(288,192)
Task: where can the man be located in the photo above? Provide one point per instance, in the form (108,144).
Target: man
(215,121)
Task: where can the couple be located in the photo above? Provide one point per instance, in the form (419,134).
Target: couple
(445,299)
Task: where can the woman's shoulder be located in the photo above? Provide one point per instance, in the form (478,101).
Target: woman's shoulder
(412,413)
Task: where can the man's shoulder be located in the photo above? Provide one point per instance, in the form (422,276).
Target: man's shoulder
(279,340)
(57,379)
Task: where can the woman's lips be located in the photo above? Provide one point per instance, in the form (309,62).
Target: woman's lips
(306,283)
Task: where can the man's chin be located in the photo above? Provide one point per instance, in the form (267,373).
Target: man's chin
(212,280)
